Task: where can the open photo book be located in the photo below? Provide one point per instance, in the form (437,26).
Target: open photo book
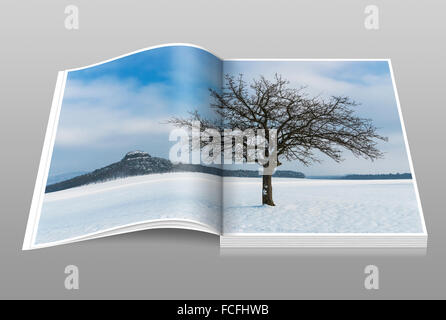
(260,152)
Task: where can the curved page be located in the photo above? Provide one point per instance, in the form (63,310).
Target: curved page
(113,160)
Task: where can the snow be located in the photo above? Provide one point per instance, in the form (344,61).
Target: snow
(321,206)
(97,207)
(302,205)
(131,153)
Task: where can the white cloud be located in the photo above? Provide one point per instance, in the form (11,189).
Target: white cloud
(101,111)
(374,92)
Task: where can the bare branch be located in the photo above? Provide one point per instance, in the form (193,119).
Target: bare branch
(304,124)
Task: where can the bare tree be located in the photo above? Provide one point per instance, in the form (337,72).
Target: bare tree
(304,124)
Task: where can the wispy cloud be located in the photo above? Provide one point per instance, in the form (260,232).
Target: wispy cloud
(373,91)
(123,105)
(367,83)
(119,108)
(105,110)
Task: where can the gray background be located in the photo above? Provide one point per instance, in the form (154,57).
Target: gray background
(182,264)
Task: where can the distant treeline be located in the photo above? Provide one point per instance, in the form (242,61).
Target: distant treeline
(377,176)
(234,173)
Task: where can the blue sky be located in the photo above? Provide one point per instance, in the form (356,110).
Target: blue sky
(367,82)
(121,105)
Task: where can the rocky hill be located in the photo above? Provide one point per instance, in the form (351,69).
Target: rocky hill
(136,163)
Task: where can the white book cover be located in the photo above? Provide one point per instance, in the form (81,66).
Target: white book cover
(261,152)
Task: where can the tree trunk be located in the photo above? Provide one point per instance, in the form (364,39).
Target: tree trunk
(267,191)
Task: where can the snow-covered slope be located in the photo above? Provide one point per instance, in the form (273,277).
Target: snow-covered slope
(302,206)
(98,207)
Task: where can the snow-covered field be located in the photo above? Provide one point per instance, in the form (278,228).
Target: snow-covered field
(322,206)
(302,205)
(97,207)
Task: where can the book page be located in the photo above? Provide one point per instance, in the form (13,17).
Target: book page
(338,160)
(115,158)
